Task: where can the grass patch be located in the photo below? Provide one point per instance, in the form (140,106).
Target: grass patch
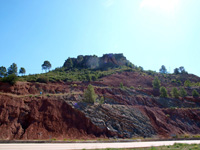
(176,146)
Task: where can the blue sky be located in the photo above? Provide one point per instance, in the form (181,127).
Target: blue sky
(150,33)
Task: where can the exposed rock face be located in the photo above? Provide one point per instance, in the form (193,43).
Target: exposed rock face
(60,113)
(94,62)
(39,118)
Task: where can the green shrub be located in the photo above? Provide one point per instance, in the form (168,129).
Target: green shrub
(11,79)
(187,83)
(121,85)
(183,92)
(195,94)
(101,100)
(156,83)
(90,95)
(43,79)
(163,92)
(175,93)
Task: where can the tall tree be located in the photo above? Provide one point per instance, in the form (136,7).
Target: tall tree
(163,69)
(3,71)
(46,65)
(22,71)
(12,69)
(176,71)
(182,70)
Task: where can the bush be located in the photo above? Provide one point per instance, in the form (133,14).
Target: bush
(11,79)
(101,100)
(195,94)
(43,79)
(183,92)
(156,83)
(163,92)
(187,83)
(121,85)
(175,93)
(90,95)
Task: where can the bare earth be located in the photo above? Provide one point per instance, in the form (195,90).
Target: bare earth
(73,146)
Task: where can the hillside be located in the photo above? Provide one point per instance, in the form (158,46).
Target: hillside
(131,107)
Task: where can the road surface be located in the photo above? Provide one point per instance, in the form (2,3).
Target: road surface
(74,146)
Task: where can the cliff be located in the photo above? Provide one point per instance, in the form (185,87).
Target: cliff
(94,62)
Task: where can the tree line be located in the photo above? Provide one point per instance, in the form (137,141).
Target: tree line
(11,70)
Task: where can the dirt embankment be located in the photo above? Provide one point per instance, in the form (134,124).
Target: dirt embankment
(59,112)
(40,118)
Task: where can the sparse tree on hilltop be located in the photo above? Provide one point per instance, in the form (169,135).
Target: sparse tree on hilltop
(12,69)
(3,71)
(176,71)
(46,65)
(163,69)
(22,71)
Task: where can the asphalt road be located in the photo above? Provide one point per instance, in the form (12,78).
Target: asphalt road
(73,146)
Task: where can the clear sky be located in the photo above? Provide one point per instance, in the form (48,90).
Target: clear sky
(150,33)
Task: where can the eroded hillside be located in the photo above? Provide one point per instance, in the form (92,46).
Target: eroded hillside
(133,110)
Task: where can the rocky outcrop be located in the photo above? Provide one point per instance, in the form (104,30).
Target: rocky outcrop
(94,62)
(40,118)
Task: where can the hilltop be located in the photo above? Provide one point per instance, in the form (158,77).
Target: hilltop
(51,105)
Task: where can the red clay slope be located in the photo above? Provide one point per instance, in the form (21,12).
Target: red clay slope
(25,118)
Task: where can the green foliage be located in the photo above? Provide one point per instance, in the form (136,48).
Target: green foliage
(163,92)
(121,85)
(156,83)
(90,95)
(43,79)
(163,69)
(187,83)
(173,80)
(101,101)
(176,71)
(22,71)
(195,94)
(3,71)
(46,65)
(12,69)
(68,63)
(175,93)
(11,79)
(182,92)
(178,82)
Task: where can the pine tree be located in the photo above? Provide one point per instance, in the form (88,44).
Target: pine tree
(183,92)
(175,93)
(12,69)
(195,94)
(156,83)
(163,92)
(90,95)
